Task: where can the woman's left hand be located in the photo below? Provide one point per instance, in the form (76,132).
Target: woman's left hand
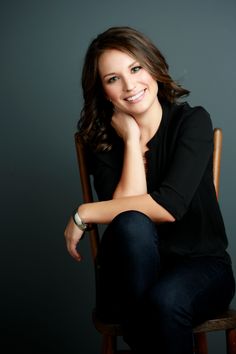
(73,235)
(125,125)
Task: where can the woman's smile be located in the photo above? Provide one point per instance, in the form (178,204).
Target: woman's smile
(137,97)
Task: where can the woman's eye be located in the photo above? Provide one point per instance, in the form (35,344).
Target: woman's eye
(112,79)
(135,69)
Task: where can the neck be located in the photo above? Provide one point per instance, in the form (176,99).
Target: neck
(149,121)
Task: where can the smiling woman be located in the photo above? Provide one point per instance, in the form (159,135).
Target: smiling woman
(162,260)
(128,85)
(144,55)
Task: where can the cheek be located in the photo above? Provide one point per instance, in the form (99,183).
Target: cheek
(110,93)
(153,84)
(151,80)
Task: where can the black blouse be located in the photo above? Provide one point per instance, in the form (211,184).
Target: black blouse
(179,177)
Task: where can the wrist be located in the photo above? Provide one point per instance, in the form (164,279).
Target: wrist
(81,210)
(132,142)
(78,220)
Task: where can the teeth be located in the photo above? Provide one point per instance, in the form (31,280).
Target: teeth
(133,98)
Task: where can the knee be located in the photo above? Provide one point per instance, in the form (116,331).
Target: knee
(132,220)
(134,233)
(133,226)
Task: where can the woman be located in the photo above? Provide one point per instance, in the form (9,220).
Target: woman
(162,259)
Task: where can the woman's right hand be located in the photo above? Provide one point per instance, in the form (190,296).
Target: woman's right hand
(72,236)
(125,126)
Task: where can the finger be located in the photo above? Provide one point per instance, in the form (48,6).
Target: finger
(76,255)
(73,251)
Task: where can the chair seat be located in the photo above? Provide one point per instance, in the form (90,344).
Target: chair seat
(225,320)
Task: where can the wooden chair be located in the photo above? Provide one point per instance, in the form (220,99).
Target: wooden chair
(225,321)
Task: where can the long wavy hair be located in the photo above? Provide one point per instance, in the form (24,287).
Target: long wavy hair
(94,124)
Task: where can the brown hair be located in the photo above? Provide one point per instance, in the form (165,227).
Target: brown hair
(94,124)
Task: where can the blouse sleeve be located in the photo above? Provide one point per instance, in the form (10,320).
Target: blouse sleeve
(192,150)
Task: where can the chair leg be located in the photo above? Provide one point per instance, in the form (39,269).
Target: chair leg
(108,344)
(200,342)
(231,340)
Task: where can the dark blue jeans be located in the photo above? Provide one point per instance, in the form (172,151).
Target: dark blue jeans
(157,300)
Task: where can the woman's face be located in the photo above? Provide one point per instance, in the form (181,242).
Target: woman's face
(126,83)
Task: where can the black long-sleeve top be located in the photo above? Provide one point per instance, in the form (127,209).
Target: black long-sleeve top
(179,178)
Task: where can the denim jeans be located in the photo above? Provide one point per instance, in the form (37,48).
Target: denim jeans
(156,300)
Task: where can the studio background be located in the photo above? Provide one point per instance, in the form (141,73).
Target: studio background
(46,297)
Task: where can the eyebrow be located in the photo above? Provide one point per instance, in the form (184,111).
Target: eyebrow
(110,74)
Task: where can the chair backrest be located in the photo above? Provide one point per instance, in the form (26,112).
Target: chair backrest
(87,188)
(218,136)
(86,191)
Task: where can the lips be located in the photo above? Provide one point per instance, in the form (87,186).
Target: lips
(135,97)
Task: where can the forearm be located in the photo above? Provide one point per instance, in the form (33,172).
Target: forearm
(133,177)
(104,212)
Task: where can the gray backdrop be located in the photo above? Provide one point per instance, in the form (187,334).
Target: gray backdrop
(46,297)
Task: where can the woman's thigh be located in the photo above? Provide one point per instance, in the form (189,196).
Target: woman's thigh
(195,289)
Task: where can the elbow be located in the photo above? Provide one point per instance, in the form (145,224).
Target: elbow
(168,217)
(164,217)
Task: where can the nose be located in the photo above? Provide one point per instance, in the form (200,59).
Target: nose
(128,84)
